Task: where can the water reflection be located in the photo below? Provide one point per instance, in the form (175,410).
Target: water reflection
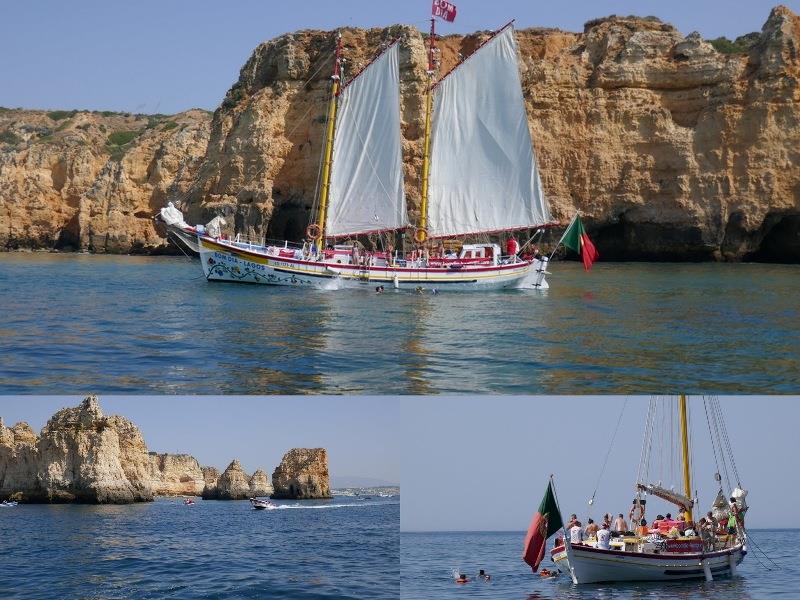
(150,324)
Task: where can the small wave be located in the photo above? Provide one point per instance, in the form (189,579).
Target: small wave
(338,505)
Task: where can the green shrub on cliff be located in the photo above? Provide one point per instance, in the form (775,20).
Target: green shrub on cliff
(118,143)
(9,137)
(741,44)
(57,115)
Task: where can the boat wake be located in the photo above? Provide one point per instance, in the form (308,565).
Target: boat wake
(336,505)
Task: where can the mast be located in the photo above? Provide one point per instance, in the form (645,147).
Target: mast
(687,481)
(328,152)
(423,209)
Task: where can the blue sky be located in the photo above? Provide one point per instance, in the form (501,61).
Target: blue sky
(483,463)
(359,432)
(167,56)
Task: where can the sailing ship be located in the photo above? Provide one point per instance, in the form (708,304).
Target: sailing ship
(479,179)
(665,550)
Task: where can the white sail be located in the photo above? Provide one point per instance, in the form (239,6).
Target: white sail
(483,171)
(366,181)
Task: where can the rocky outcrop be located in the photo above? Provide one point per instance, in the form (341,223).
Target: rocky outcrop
(79,456)
(233,484)
(259,484)
(302,474)
(176,475)
(92,181)
(668,148)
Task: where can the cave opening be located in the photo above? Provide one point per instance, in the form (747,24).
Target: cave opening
(781,244)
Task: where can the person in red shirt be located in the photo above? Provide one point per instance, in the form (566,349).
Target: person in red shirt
(512,246)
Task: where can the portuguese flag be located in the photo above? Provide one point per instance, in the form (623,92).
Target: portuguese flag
(545,523)
(575,238)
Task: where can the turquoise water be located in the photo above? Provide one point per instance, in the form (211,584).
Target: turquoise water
(216,549)
(110,324)
(428,560)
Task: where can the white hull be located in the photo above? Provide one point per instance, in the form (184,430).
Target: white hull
(592,565)
(224,260)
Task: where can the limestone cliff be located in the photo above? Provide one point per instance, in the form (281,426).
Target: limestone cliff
(669,148)
(259,484)
(176,475)
(233,484)
(302,474)
(79,456)
(83,180)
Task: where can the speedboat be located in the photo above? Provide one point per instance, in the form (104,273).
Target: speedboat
(259,504)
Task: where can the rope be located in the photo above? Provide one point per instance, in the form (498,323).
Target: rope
(751,539)
(608,452)
(728,445)
(711,435)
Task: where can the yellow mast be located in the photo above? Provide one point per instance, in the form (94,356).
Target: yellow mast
(687,481)
(423,209)
(328,154)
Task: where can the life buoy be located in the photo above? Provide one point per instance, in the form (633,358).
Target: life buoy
(313,231)
(420,235)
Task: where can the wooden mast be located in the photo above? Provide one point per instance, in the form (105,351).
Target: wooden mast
(423,209)
(328,152)
(687,480)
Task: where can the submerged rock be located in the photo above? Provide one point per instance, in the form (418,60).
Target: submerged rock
(302,475)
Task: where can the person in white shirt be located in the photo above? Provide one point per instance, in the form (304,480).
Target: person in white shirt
(604,538)
(576,533)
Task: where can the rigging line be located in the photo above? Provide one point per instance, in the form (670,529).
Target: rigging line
(711,435)
(728,444)
(644,439)
(610,446)
(751,539)
(649,439)
(715,413)
(721,420)
(725,453)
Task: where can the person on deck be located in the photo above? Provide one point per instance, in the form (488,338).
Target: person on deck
(636,513)
(712,522)
(576,533)
(573,518)
(512,246)
(620,526)
(642,530)
(604,538)
(591,528)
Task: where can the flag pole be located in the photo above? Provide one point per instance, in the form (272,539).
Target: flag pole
(563,235)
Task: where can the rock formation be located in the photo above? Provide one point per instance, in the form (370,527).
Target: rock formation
(302,474)
(176,475)
(668,148)
(233,484)
(83,180)
(259,484)
(80,456)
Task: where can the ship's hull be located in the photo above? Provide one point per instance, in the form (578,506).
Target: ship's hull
(228,261)
(184,238)
(592,565)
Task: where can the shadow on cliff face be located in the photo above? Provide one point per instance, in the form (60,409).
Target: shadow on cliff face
(651,242)
(289,221)
(781,243)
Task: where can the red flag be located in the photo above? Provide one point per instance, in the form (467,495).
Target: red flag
(545,523)
(445,10)
(589,253)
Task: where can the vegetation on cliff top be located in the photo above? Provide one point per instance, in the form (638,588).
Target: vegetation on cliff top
(743,43)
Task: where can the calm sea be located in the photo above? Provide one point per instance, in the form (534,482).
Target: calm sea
(341,548)
(429,559)
(155,325)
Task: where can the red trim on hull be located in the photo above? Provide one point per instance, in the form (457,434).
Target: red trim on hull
(358,268)
(668,555)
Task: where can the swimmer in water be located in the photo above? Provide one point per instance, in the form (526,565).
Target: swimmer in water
(462,578)
(484,575)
